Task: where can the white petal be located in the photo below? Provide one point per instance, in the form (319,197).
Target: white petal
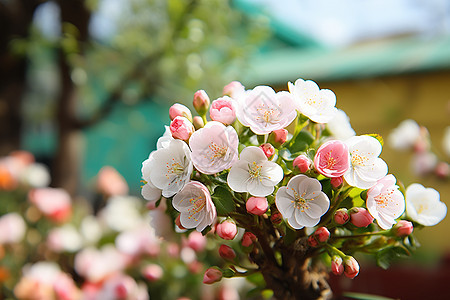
(256,188)
(150,192)
(238,177)
(252,154)
(284,203)
(305,220)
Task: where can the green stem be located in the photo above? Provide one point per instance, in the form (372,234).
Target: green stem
(361,235)
(335,250)
(298,129)
(204,119)
(335,202)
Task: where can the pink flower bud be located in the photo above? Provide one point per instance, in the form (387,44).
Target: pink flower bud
(226,252)
(257,205)
(336,265)
(268,150)
(196,241)
(198,123)
(312,241)
(212,275)
(302,163)
(233,89)
(341,216)
(248,239)
(201,102)
(181,128)
(226,230)
(336,182)
(110,182)
(402,228)
(223,110)
(442,169)
(322,234)
(179,110)
(276,217)
(351,267)
(152,272)
(278,137)
(332,159)
(360,217)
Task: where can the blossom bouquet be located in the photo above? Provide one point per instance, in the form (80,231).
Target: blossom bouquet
(283,184)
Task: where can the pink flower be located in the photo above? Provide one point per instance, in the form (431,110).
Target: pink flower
(385,202)
(360,217)
(257,205)
(214,148)
(336,182)
(12,228)
(279,137)
(226,252)
(268,149)
(336,265)
(181,128)
(403,228)
(110,182)
(302,163)
(179,110)
(341,216)
(195,206)
(152,272)
(351,267)
(197,241)
(212,275)
(54,203)
(223,110)
(234,89)
(332,159)
(201,102)
(226,230)
(264,111)
(248,239)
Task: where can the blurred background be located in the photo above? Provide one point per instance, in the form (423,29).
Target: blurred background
(88,83)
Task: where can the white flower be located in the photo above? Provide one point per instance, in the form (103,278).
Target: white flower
(121,213)
(302,201)
(165,139)
(214,148)
(64,238)
(12,228)
(446,141)
(254,173)
(405,135)
(340,127)
(195,206)
(168,169)
(423,205)
(315,103)
(264,111)
(150,192)
(423,162)
(366,167)
(385,202)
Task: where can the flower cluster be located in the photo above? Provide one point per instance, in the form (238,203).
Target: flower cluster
(269,169)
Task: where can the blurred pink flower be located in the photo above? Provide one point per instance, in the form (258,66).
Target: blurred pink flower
(223,110)
(110,182)
(197,241)
(234,89)
(152,272)
(12,228)
(332,159)
(54,203)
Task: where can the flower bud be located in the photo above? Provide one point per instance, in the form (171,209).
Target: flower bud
(322,234)
(181,128)
(201,102)
(212,275)
(341,216)
(336,182)
(360,217)
(257,205)
(442,169)
(312,241)
(268,150)
(223,110)
(198,123)
(351,267)
(336,265)
(226,252)
(248,239)
(276,217)
(402,228)
(196,241)
(278,137)
(302,163)
(226,230)
(179,110)
(233,89)
(152,272)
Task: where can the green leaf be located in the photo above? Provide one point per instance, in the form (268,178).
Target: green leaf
(387,255)
(223,200)
(362,296)
(257,279)
(302,142)
(286,154)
